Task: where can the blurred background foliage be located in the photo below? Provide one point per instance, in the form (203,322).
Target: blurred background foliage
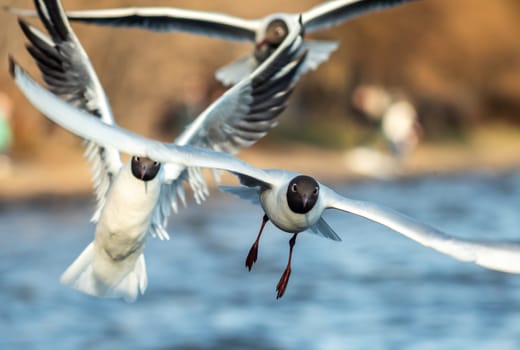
(457,61)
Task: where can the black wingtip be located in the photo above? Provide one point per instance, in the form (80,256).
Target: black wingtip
(12,65)
(26,28)
(302,28)
(24,25)
(53,17)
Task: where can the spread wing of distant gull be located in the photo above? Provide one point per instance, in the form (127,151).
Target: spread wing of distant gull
(293,202)
(266,33)
(136,198)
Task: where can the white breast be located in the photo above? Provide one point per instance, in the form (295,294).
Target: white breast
(127,213)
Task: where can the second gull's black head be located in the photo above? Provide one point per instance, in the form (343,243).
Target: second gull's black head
(302,194)
(276,31)
(144,168)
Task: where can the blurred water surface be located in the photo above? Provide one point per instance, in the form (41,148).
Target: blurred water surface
(374,290)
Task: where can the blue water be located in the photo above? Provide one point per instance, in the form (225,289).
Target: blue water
(374,290)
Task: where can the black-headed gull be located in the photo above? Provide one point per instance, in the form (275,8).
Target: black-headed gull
(267,33)
(136,198)
(286,205)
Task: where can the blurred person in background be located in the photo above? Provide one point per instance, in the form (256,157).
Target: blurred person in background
(401,127)
(6,135)
(395,113)
(398,122)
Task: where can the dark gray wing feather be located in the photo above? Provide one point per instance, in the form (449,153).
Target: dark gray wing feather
(168,19)
(67,72)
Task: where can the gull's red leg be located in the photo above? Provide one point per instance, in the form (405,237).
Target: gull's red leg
(282,284)
(253,252)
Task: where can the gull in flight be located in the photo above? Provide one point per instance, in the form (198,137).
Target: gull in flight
(293,202)
(136,198)
(266,33)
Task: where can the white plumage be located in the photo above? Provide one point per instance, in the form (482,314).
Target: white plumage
(113,265)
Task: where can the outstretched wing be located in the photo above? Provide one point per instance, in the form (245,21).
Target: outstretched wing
(503,257)
(83,125)
(239,118)
(67,72)
(246,112)
(331,13)
(166,19)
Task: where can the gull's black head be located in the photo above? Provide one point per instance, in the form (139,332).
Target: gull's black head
(302,194)
(144,168)
(276,31)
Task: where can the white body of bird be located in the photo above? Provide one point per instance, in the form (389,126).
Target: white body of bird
(274,203)
(113,264)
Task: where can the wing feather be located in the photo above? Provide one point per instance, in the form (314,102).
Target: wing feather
(166,19)
(498,256)
(82,124)
(67,72)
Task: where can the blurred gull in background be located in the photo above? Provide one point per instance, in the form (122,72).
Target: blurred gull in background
(267,33)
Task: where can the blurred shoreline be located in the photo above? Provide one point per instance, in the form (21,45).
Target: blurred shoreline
(456,61)
(59,173)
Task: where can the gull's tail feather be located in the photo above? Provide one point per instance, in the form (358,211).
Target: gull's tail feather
(318,52)
(81,276)
(235,71)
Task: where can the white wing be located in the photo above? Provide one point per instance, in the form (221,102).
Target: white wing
(332,13)
(166,19)
(67,72)
(503,257)
(82,124)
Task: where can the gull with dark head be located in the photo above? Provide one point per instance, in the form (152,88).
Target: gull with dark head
(135,199)
(267,33)
(293,202)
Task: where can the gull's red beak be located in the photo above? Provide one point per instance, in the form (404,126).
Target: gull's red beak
(305,199)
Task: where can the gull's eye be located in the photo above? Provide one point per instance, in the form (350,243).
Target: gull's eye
(155,163)
(294,188)
(316,189)
(137,159)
